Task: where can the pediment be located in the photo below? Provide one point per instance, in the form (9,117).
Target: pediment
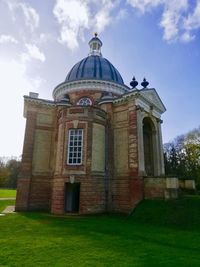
(152,97)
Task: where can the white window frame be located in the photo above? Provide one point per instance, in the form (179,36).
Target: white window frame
(74,148)
(85,98)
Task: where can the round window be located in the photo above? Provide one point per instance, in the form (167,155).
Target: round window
(84,101)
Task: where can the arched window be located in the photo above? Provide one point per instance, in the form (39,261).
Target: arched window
(148,129)
(84,101)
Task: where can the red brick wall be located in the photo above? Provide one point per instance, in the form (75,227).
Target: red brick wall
(92,186)
(33,191)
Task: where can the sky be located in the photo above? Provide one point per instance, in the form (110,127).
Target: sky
(40,41)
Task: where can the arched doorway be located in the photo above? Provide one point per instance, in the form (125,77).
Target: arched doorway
(148,129)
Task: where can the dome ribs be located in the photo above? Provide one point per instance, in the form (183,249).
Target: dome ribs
(111,70)
(95,66)
(83,68)
(100,68)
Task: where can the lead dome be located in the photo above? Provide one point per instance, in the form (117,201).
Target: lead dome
(93,72)
(94,67)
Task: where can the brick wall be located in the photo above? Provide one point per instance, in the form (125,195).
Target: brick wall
(34,184)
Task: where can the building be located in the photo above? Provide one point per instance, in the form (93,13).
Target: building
(97,147)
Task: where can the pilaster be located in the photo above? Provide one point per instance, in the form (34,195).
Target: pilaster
(24,182)
(141,166)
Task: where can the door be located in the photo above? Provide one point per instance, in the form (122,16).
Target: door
(72,196)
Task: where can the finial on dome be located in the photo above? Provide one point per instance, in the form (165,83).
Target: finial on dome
(95,46)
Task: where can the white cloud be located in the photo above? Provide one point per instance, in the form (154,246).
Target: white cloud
(187,37)
(103,17)
(33,52)
(45,37)
(177,24)
(193,20)
(172,17)
(30,15)
(144,5)
(75,16)
(4,39)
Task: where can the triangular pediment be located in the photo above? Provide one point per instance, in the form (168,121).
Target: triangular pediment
(152,97)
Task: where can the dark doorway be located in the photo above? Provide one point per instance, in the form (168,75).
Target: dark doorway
(72,196)
(148,146)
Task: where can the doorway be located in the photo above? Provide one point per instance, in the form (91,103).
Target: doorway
(148,128)
(72,197)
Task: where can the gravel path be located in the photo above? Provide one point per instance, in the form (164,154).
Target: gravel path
(7,198)
(9,209)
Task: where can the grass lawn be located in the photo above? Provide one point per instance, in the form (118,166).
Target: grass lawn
(157,234)
(7,192)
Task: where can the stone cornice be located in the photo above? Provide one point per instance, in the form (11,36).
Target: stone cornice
(39,101)
(100,85)
(143,99)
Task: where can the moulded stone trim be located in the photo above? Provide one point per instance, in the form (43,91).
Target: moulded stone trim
(99,85)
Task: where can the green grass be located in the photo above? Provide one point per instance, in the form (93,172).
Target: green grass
(157,234)
(7,193)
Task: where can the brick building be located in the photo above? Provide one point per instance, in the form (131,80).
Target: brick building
(96,147)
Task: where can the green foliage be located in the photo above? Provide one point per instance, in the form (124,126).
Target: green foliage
(182,156)
(158,233)
(9,171)
(4,173)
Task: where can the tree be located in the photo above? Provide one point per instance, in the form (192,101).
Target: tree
(182,156)
(192,148)
(4,173)
(13,167)
(9,172)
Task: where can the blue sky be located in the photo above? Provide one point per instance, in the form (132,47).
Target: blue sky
(41,40)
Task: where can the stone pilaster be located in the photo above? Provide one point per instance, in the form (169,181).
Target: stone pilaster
(24,182)
(141,166)
(156,151)
(160,143)
(135,148)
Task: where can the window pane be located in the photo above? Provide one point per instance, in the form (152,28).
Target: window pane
(75,145)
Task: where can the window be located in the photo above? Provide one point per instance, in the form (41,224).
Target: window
(75,147)
(84,101)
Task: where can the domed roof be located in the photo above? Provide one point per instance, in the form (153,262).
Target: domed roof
(92,73)
(94,67)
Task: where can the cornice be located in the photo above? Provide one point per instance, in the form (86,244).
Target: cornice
(100,85)
(143,100)
(39,101)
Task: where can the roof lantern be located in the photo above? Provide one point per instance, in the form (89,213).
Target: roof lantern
(95,46)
